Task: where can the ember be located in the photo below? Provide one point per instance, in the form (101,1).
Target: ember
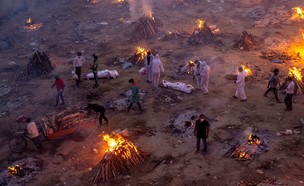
(29,25)
(120,156)
(15,170)
(297,14)
(253,139)
(119,1)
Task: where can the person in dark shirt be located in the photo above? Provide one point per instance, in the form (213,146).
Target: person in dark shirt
(201,131)
(135,96)
(272,84)
(59,83)
(98,109)
(94,68)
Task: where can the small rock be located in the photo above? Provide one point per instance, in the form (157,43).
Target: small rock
(179,141)
(260,171)
(33,44)
(72,52)
(179,98)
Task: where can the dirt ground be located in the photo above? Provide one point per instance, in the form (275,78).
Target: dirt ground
(76,25)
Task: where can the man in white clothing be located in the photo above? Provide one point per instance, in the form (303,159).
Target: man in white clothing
(77,63)
(203,74)
(148,66)
(240,85)
(157,67)
(289,93)
(33,133)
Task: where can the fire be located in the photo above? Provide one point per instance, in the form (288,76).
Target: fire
(302,31)
(32,26)
(247,70)
(297,49)
(151,16)
(253,139)
(92,1)
(142,52)
(14,170)
(200,23)
(297,14)
(120,1)
(28,21)
(118,145)
(243,155)
(296,73)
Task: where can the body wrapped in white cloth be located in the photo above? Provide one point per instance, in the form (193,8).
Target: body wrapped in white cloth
(178,86)
(102,74)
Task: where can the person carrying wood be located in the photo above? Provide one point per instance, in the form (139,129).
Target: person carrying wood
(148,66)
(77,63)
(289,94)
(272,84)
(134,96)
(94,68)
(98,109)
(59,83)
(240,85)
(33,133)
(201,131)
(157,68)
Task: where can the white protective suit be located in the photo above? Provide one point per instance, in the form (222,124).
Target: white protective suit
(240,86)
(203,74)
(157,67)
(148,68)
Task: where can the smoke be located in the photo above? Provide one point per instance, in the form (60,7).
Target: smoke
(139,8)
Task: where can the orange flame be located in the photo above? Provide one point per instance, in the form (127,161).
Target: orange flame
(252,140)
(14,169)
(296,73)
(142,52)
(297,14)
(151,16)
(32,26)
(120,1)
(200,23)
(247,70)
(92,1)
(28,21)
(117,144)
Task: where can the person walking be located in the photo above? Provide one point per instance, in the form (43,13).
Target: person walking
(203,73)
(240,85)
(201,131)
(94,68)
(272,84)
(77,63)
(289,93)
(148,66)
(157,68)
(98,109)
(59,83)
(134,96)
(33,133)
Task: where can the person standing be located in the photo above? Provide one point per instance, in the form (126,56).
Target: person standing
(94,68)
(157,68)
(33,133)
(289,93)
(272,84)
(240,85)
(148,66)
(203,74)
(78,62)
(98,109)
(134,96)
(59,83)
(201,131)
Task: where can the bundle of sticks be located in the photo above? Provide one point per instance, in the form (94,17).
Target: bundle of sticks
(201,36)
(39,64)
(145,28)
(115,162)
(245,42)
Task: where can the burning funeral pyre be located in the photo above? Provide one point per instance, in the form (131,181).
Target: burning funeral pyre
(21,172)
(145,28)
(246,42)
(120,156)
(296,73)
(39,64)
(30,25)
(248,148)
(297,14)
(189,67)
(140,54)
(202,35)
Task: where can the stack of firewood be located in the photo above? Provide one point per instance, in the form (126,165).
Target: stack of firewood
(245,42)
(115,162)
(38,65)
(201,36)
(145,28)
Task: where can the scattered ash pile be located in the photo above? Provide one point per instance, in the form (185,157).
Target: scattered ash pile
(39,65)
(21,172)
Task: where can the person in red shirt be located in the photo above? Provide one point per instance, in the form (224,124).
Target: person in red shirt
(59,83)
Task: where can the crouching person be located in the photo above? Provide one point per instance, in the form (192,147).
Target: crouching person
(98,109)
(33,133)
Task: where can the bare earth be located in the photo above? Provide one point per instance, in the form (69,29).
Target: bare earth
(75,25)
